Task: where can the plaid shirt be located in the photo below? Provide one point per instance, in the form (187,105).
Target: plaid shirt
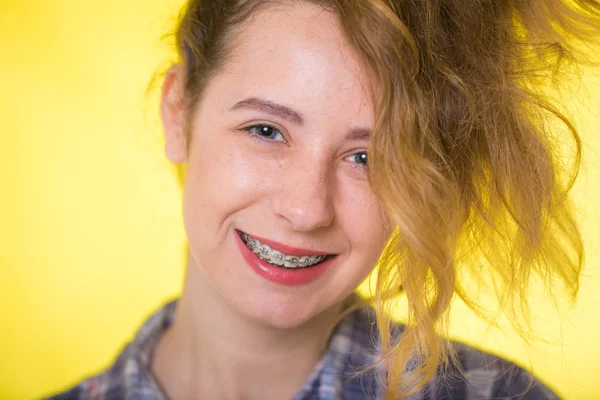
(485,376)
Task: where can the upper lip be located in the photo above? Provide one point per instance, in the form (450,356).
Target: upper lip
(289,250)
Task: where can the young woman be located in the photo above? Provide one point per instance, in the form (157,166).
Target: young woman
(313,133)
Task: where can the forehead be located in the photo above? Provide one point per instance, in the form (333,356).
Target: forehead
(298,54)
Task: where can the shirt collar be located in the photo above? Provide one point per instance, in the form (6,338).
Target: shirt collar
(350,348)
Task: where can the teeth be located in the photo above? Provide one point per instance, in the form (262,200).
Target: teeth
(291,262)
(263,250)
(278,258)
(303,261)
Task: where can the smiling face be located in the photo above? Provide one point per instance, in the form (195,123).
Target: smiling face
(277,152)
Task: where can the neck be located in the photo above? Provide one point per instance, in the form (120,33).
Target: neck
(214,351)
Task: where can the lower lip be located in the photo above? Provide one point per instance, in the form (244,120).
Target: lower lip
(289,277)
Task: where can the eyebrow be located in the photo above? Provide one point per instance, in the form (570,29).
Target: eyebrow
(283,112)
(359,134)
(270,107)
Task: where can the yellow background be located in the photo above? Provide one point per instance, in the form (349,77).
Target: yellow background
(91,240)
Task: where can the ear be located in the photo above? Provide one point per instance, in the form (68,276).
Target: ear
(172,109)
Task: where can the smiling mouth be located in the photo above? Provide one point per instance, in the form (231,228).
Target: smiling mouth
(279,259)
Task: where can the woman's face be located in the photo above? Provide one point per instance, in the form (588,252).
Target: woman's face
(277,152)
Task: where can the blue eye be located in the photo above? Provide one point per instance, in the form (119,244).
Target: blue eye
(265,132)
(359,158)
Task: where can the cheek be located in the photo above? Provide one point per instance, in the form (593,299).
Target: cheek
(362,219)
(222,177)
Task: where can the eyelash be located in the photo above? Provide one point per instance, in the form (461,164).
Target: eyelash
(357,165)
(254,136)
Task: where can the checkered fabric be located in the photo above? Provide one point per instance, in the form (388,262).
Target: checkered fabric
(353,345)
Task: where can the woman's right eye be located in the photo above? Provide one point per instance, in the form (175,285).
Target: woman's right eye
(265,132)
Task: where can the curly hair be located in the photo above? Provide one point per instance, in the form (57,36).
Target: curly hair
(466,156)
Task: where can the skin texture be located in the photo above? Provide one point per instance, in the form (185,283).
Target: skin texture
(237,335)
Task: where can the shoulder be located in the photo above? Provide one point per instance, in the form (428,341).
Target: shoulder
(474,374)
(119,381)
(129,377)
(479,374)
(108,384)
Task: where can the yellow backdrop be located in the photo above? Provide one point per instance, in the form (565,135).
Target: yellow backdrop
(91,240)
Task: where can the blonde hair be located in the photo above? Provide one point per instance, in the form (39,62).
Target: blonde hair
(464,158)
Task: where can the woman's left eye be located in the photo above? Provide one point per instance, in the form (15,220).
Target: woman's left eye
(359,158)
(263,131)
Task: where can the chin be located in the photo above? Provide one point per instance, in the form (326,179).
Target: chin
(282,314)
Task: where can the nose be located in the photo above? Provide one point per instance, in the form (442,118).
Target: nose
(304,197)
